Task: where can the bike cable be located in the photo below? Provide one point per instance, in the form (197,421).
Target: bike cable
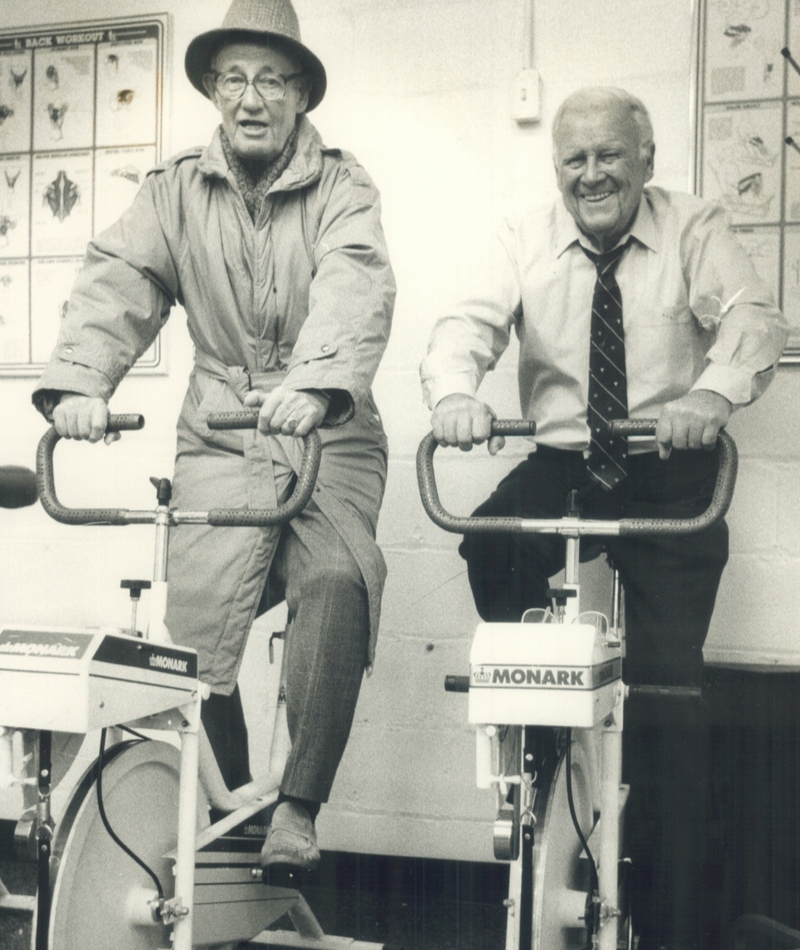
(104,818)
(133,732)
(595,881)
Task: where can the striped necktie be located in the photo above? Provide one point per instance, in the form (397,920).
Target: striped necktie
(608,389)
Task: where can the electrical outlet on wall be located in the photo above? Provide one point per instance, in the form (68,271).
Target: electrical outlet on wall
(527,102)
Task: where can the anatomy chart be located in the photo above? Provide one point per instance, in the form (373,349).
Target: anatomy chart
(81,114)
(748,134)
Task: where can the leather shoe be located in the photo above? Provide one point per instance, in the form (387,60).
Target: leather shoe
(291,838)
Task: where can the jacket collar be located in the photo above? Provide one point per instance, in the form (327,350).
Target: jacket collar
(304,168)
(566,232)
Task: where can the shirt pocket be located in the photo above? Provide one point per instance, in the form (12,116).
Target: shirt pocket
(671,316)
(663,347)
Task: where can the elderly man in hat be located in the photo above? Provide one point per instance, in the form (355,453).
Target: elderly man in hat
(272,243)
(628,300)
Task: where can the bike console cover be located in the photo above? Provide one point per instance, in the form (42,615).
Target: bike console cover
(543,674)
(80,680)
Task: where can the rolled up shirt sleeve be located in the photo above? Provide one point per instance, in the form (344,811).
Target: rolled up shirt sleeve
(731,301)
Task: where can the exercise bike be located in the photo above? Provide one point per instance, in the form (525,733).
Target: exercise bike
(547,699)
(132,862)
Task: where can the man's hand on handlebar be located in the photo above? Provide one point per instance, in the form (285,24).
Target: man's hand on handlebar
(83,417)
(692,422)
(283,411)
(462,420)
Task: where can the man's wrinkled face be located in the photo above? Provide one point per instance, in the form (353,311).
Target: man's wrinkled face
(257,129)
(601,168)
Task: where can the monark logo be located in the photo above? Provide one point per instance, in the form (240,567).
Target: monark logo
(170,663)
(530,676)
(574,677)
(62,651)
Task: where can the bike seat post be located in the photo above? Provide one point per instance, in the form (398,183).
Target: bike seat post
(571,567)
(163,489)
(616,603)
(157,629)
(566,600)
(135,588)
(572,561)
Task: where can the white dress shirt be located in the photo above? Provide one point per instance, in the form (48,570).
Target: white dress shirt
(696,315)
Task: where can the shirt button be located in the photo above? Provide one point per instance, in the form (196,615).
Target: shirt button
(325,348)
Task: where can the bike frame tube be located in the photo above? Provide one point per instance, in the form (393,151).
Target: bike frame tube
(610,790)
(157,628)
(187,828)
(512,912)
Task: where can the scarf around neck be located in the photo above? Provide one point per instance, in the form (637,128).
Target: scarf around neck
(254,190)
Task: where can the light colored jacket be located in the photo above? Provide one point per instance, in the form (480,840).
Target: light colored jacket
(305,297)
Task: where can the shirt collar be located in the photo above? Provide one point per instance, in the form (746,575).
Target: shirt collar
(566,232)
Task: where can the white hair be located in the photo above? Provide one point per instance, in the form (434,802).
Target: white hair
(602,95)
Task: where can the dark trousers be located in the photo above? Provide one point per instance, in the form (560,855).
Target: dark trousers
(314,571)
(670,586)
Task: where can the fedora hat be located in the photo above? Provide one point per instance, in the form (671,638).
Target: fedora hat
(256,21)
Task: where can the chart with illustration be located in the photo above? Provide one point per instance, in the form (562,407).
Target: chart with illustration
(81,123)
(747,154)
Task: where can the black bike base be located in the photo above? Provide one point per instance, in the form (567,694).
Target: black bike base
(284,875)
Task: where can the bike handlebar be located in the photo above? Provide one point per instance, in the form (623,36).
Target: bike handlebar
(218,517)
(45,478)
(720,501)
(303,489)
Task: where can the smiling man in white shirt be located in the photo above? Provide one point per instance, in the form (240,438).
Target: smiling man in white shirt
(628,300)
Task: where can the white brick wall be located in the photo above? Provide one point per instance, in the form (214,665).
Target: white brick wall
(420,91)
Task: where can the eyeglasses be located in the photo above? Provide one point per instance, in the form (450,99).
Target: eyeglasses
(269,86)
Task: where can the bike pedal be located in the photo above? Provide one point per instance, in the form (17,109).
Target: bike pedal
(255,827)
(285,876)
(505,840)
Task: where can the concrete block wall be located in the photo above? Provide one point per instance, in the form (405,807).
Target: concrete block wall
(420,91)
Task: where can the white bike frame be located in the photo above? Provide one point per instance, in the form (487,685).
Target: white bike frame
(609,728)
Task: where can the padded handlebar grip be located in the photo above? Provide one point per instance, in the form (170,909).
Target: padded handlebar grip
(125,422)
(521,427)
(690,693)
(244,419)
(720,501)
(627,427)
(456,684)
(303,489)
(17,486)
(45,480)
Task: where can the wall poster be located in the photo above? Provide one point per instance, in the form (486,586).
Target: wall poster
(747,134)
(81,122)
